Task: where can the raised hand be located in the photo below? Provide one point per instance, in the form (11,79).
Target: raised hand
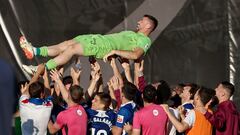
(54,75)
(75,74)
(115,82)
(125,63)
(96,76)
(127,127)
(139,66)
(24,88)
(95,67)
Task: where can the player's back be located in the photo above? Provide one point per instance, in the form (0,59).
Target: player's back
(73,120)
(152,119)
(35,114)
(128,40)
(100,122)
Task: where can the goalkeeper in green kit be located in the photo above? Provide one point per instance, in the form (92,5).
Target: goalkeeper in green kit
(127,44)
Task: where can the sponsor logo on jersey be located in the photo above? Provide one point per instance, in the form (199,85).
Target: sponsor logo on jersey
(120,119)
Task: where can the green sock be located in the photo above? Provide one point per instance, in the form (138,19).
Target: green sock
(42,51)
(51,64)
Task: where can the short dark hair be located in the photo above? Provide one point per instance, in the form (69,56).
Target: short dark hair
(105,98)
(36,89)
(129,90)
(193,89)
(67,80)
(163,92)
(154,21)
(205,94)
(76,93)
(229,87)
(149,94)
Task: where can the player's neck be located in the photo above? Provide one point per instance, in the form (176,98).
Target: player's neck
(186,101)
(124,101)
(199,105)
(71,103)
(146,104)
(145,32)
(222,99)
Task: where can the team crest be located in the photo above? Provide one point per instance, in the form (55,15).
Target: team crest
(155,112)
(79,112)
(146,46)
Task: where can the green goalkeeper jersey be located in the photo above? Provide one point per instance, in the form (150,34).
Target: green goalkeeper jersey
(99,45)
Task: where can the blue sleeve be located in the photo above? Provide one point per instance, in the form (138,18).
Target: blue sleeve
(114,118)
(90,112)
(123,116)
(49,98)
(188,106)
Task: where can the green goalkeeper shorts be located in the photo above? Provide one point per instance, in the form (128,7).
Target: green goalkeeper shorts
(94,45)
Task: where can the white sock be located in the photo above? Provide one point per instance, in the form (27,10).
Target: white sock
(34,50)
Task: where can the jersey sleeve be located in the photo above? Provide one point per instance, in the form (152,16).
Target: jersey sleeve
(114,118)
(23,97)
(190,118)
(144,43)
(136,121)
(59,121)
(122,117)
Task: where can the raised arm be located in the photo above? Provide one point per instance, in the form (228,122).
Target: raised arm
(75,76)
(116,90)
(55,76)
(139,80)
(48,91)
(131,55)
(180,126)
(116,72)
(111,90)
(36,76)
(24,88)
(126,66)
(95,76)
(93,84)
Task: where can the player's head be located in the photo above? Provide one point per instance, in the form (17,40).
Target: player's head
(67,81)
(76,93)
(189,90)
(147,22)
(129,91)
(149,94)
(224,90)
(101,101)
(203,96)
(36,90)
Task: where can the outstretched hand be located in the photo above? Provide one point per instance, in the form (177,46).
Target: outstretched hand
(96,76)
(181,109)
(24,88)
(75,74)
(105,58)
(115,82)
(139,66)
(127,127)
(54,75)
(125,63)
(113,62)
